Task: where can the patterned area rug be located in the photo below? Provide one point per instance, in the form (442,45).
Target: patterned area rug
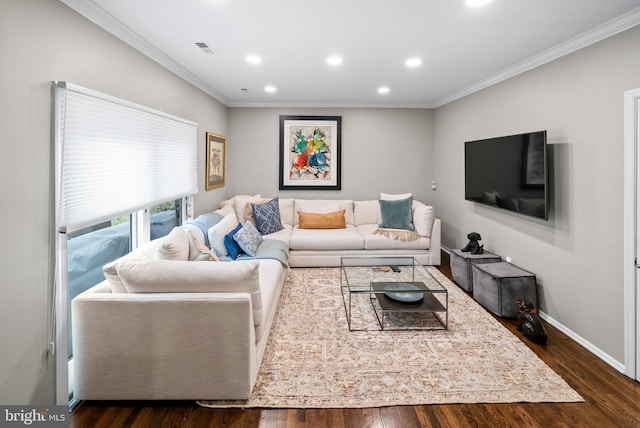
(314,361)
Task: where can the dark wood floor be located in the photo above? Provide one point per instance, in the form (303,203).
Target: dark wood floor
(611,400)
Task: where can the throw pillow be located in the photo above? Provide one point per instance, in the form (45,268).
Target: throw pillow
(397,214)
(199,252)
(216,234)
(240,203)
(395,196)
(334,220)
(204,222)
(232,246)
(267,217)
(248,209)
(248,238)
(175,246)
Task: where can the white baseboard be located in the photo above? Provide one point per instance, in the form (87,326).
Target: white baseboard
(585,343)
(577,338)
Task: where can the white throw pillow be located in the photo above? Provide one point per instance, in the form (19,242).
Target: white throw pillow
(366,212)
(423,218)
(240,204)
(394,197)
(175,246)
(216,234)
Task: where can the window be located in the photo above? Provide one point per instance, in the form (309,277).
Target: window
(112,157)
(89,249)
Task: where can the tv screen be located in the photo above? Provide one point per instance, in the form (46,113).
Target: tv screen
(509,173)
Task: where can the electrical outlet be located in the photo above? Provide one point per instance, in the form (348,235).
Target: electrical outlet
(434,185)
(508,259)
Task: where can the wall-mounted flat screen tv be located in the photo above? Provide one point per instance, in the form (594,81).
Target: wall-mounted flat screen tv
(509,173)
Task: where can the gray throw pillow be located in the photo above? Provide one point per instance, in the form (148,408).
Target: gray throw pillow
(267,217)
(397,214)
(248,238)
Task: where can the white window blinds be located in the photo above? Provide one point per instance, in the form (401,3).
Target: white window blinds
(114,157)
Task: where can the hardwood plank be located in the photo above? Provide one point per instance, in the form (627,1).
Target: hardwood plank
(611,400)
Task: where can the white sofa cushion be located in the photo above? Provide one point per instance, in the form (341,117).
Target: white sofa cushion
(366,212)
(164,276)
(380,242)
(145,252)
(175,246)
(283,235)
(326,239)
(271,278)
(423,218)
(395,196)
(286,211)
(219,230)
(240,205)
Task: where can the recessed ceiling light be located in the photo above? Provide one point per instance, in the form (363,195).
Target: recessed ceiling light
(476,3)
(413,62)
(334,60)
(270,89)
(383,90)
(253,59)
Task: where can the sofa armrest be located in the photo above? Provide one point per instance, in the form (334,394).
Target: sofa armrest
(435,248)
(163,346)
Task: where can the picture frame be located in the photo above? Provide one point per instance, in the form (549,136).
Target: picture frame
(216,169)
(310,152)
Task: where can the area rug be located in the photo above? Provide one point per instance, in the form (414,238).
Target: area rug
(312,360)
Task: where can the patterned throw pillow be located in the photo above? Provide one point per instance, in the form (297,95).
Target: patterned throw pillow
(267,217)
(248,238)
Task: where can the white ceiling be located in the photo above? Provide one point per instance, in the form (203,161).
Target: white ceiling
(463,49)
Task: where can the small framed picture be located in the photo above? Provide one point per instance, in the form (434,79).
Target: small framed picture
(216,161)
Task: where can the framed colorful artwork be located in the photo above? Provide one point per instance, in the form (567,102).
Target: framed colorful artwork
(216,161)
(310,152)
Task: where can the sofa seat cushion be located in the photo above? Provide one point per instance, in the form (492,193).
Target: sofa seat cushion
(283,235)
(326,239)
(380,242)
(168,276)
(271,280)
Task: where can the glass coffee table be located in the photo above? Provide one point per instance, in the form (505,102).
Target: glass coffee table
(392,293)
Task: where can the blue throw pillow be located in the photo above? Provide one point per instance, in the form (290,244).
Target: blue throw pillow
(267,217)
(397,214)
(248,238)
(232,246)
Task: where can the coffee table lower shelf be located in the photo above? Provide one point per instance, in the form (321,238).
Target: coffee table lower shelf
(428,305)
(429,312)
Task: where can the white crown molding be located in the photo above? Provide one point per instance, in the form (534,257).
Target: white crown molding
(101,18)
(327,105)
(608,29)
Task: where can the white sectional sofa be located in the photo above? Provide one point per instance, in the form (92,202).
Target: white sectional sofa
(170,323)
(325,247)
(159,329)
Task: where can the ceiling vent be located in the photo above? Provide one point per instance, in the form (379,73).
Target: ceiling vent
(205,47)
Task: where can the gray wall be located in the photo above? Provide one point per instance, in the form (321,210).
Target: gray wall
(41,41)
(383,150)
(578,253)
